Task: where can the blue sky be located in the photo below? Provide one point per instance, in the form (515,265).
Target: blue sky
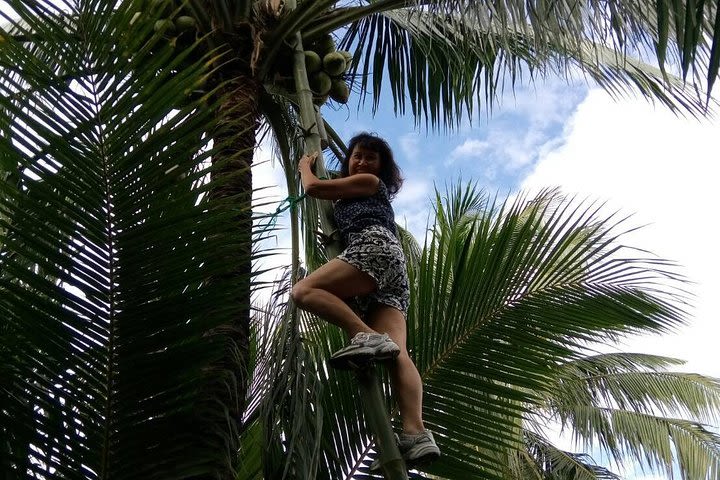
(640,159)
(497,151)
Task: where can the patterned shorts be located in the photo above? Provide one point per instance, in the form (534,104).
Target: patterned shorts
(377,252)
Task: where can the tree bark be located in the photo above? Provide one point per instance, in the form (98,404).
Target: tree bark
(235,138)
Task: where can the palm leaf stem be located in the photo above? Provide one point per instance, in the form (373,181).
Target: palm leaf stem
(309,127)
(373,399)
(336,143)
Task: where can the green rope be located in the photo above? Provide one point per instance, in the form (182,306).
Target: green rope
(289,202)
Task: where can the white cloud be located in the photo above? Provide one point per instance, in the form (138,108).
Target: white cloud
(544,104)
(410,145)
(513,149)
(522,128)
(414,190)
(664,169)
(470,148)
(411,205)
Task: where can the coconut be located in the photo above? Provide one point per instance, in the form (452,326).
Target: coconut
(339,91)
(348,57)
(320,83)
(165,26)
(325,45)
(334,63)
(313,63)
(185,23)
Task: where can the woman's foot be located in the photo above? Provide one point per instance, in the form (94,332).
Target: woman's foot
(363,349)
(416,450)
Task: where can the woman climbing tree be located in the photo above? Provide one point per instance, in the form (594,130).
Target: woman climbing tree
(370,271)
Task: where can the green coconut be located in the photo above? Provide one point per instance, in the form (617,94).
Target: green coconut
(320,83)
(325,45)
(339,91)
(334,63)
(185,23)
(348,57)
(165,26)
(313,63)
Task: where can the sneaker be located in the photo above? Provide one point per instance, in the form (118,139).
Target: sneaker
(419,449)
(416,450)
(364,348)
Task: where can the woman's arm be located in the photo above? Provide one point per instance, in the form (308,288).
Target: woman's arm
(358,185)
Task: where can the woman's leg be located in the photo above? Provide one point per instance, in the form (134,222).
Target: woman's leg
(404,376)
(323,293)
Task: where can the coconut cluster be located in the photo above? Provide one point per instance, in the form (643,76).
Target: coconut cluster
(175,28)
(181,24)
(326,67)
(177,22)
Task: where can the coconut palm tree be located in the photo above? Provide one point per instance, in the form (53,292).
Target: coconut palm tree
(509,300)
(127,139)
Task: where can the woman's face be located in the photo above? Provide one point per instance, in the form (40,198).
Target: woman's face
(363,160)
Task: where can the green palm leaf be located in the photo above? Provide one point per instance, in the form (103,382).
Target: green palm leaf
(625,403)
(541,459)
(635,382)
(113,321)
(442,63)
(659,442)
(489,318)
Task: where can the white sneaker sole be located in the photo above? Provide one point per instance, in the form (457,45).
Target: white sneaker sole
(424,456)
(362,356)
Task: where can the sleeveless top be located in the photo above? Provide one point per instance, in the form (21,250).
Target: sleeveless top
(352,215)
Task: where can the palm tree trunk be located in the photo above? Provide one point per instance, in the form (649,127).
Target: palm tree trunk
(235,139)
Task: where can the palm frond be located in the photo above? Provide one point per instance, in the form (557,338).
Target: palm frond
(634,382)
(543,460)
(442,63)
(626,403)
(291,414)
(659,443)
(495,324)
(116,332)
(485,339)
(410,247)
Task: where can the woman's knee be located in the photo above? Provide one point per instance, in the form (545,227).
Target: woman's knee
(299,293)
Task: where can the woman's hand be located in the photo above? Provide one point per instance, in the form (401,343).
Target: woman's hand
(308,161)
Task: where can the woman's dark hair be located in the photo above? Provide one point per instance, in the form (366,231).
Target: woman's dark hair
(389,171)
